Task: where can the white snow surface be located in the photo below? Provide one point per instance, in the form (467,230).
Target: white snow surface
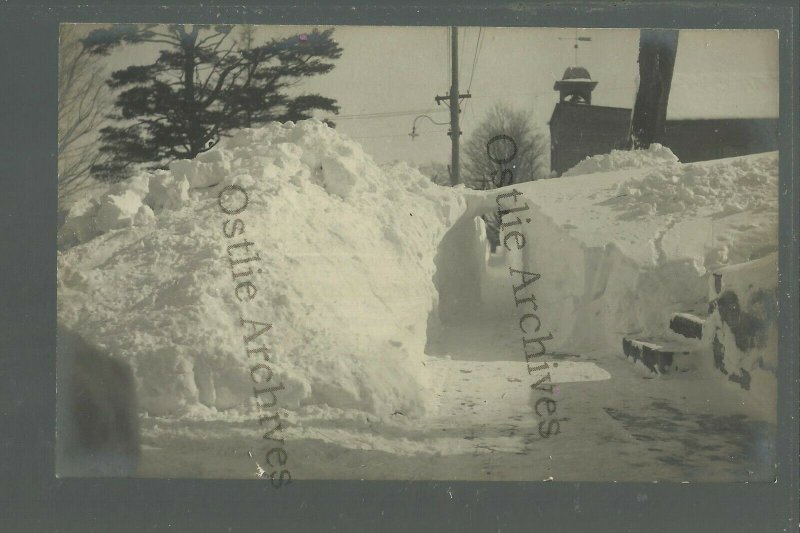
(654,155)
(346,265)
(618,252)
(743,184)
(354,257)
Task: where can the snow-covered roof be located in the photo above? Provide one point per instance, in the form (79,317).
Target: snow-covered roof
(576,73)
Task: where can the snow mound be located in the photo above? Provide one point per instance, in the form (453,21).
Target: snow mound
(655,155)
(728,187)
(130,203)
(345,260)
(619,252)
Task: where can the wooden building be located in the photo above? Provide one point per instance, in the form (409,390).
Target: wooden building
(715,138)
(579,129)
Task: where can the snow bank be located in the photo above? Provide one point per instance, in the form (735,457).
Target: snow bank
(743,184)
(655,155)
(353,258)
(346,261)
(129,203)
(461,272)
(619,252)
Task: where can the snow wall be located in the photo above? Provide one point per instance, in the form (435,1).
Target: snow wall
(620,250)
(345,274)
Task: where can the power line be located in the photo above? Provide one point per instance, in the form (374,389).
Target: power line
(447,48)
(464,114)
(535,95)
(478,46)
(429,132)
(385,114)
(463,46)
(538,95)
(447,56)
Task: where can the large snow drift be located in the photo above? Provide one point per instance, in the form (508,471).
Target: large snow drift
(359,265)
(345,274)
(618,252)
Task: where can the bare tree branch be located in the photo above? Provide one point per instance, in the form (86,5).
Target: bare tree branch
(83,101)
(504,149)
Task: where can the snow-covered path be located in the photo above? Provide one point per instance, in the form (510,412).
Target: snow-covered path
(617,424)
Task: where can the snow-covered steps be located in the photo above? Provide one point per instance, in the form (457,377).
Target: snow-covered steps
(687,324)
(661,357)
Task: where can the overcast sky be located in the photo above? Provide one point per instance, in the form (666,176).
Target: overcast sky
(402,69)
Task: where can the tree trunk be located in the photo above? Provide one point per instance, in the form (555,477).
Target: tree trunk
(194,129)
(657,49)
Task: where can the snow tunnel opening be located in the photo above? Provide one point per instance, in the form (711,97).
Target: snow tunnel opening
(474,302)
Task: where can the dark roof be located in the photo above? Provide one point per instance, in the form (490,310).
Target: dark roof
(576,73)
(568,111)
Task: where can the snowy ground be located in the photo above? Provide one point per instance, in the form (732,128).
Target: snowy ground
(619,425)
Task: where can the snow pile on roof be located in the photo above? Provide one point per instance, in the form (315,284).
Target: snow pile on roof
(344,274)
(655,155)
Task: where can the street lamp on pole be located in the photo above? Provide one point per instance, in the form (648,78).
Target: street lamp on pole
(414,133)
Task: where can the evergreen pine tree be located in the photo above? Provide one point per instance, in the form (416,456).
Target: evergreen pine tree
(204,84)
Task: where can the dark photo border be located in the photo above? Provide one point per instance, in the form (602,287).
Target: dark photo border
(32,499)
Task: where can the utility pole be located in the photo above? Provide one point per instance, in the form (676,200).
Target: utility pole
(453,101)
